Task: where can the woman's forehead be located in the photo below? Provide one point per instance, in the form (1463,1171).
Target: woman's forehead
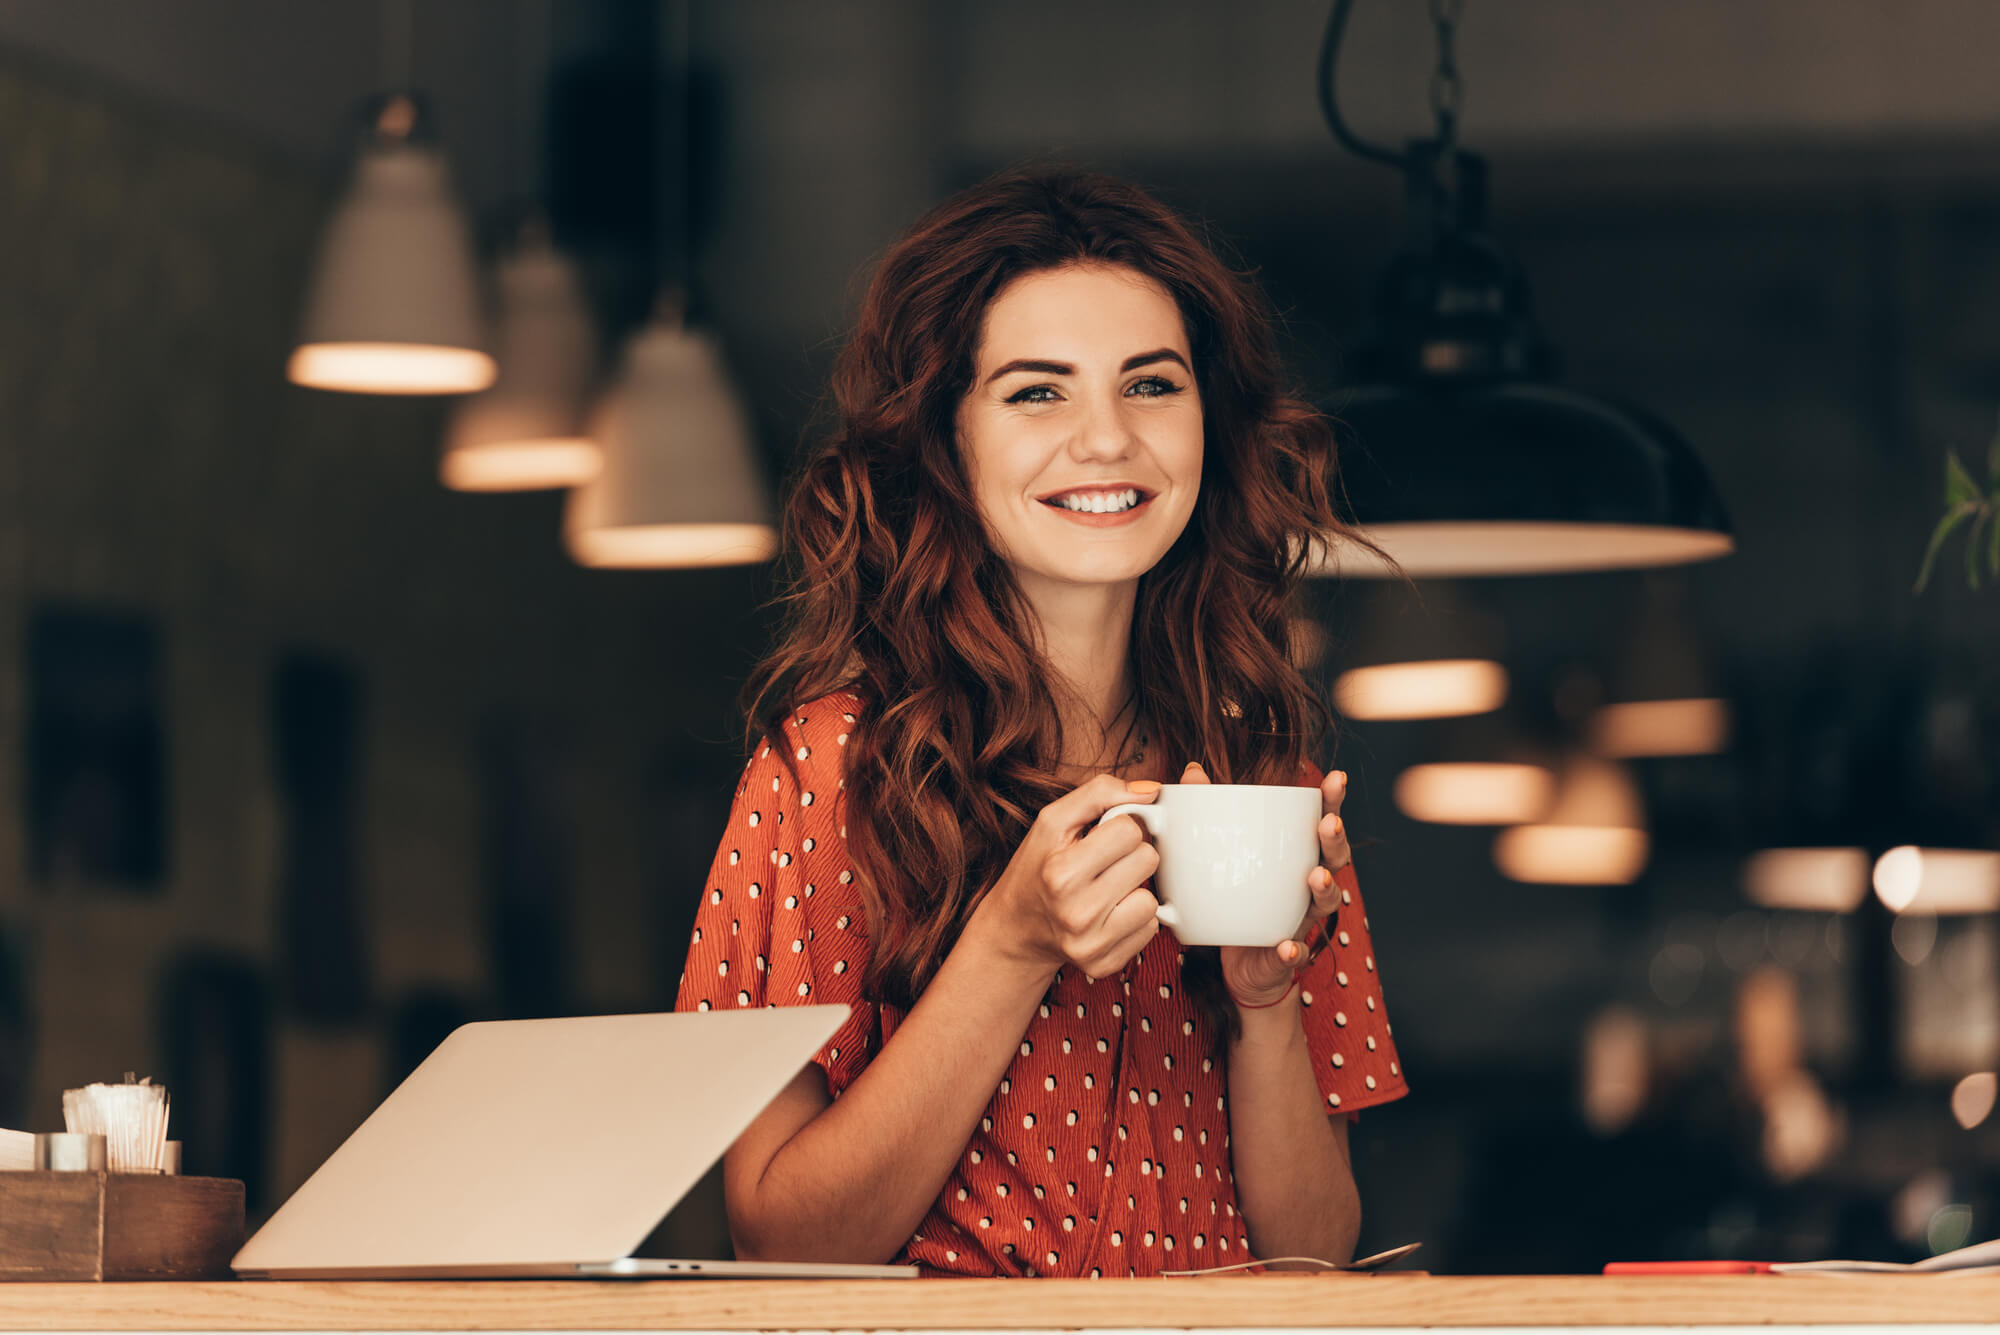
(1081,314)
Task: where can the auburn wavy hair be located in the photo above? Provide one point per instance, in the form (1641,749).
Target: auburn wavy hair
(894,591)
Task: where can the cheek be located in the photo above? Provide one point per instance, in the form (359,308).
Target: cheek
(1185,455)
(994,472)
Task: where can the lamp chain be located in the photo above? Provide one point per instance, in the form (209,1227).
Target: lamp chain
(1447,90)
(398,43)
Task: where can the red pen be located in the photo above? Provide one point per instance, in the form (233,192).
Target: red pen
(1687,1267)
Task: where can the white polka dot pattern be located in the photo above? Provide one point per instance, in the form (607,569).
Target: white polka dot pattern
(1126,1083)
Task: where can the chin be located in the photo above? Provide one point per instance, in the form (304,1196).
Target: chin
(1123,570)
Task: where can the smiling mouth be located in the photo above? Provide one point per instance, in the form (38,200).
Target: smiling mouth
(1098,502)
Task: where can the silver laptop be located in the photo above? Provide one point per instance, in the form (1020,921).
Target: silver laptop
(546,1148)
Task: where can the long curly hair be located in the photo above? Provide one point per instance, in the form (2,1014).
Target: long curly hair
(895,592)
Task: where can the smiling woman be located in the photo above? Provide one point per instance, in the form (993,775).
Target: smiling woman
(1045,557)
(1090,432)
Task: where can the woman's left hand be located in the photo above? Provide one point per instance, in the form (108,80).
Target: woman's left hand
(1257,976)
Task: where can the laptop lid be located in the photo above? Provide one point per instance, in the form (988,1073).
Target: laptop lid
(540,1142)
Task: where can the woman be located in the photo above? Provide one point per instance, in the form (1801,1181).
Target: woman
(1050,543)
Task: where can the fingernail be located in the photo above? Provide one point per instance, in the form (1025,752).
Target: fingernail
(1192,764)
(1289,951)
(1143,786)
(1341,774)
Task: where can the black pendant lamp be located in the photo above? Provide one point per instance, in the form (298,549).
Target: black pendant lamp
(1460,454)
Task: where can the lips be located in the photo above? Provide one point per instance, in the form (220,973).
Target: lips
(1099,518)
(1111,498)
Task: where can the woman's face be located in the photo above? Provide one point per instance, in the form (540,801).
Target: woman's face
(1081,433)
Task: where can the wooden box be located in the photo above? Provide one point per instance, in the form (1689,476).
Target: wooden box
(93,1226)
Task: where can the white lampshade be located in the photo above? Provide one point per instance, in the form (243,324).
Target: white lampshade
(1938,880)
(527,432)
(1825,880)
(1594,834)
(1663,699)
(1474,792)
(394,302)
(680,484)
(1438,688)
(1420,654)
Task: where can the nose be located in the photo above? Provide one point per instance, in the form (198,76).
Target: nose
(1103,435)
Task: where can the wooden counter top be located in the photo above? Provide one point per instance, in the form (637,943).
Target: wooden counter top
(946,1304)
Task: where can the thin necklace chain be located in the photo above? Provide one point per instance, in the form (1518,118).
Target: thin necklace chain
(1139,754)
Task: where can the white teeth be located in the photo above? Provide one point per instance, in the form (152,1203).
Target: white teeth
(1099,503)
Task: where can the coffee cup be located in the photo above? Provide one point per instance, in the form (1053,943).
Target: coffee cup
(1234,858)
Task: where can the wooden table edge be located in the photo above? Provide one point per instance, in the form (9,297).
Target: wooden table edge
(1269,1301)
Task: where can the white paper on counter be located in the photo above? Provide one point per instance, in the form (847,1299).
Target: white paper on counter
(17,1151)
(1980,1258)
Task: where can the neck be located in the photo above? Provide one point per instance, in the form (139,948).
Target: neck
(1086,636)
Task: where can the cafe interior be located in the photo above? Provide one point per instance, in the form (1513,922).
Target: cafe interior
(351,695)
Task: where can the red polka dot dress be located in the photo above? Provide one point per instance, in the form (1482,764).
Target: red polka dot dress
(1105,1150)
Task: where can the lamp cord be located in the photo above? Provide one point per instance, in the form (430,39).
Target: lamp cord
(1329,102)
(1447,88)
(398,42)
(534,46)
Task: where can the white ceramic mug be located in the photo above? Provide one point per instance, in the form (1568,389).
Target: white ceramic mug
(1234,858)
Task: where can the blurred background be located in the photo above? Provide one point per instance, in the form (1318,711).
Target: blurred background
(311,756)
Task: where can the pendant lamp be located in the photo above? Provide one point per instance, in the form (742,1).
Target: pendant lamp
(1461,454)
(1938,881)
(1831,879)
(1494,773)
(1663,699)
(1594,832)
(526,433)
(1419,655)
(393,307)
(680,485)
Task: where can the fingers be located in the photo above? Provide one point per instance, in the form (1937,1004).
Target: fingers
(1131,923)
(1112,853)
(1084,805)
(1194,773)
(1258,974)
(1334,852)
(1093,883)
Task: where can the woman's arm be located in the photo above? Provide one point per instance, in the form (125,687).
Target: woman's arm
(1294,1182)
(820,1179)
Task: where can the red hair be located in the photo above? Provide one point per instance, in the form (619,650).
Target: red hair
(895,592)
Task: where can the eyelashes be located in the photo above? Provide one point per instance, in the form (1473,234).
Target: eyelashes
(1150,387)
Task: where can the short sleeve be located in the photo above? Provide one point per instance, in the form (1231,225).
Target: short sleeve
(765,933)
(1347,1030)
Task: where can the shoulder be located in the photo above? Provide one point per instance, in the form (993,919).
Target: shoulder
(809,747)
(814,734)
(826,722)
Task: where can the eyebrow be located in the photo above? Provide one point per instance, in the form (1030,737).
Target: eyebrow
(1064,368)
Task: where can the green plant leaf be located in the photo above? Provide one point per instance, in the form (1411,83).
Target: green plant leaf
(1959,488)
(1957,515)
(1972,547)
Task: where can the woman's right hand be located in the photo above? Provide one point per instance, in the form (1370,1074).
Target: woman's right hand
(1074,892)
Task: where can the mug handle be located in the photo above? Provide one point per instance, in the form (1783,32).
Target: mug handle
(1152,818)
